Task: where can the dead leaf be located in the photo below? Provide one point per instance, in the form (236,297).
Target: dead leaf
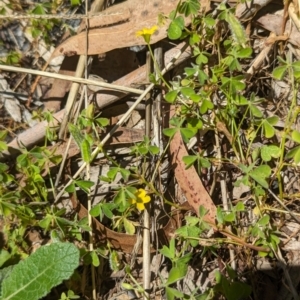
(189,180)
(143,14)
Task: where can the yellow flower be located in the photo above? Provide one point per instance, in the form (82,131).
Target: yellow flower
(141,199)
(146,33)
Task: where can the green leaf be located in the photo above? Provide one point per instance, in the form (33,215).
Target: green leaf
(189,160)
(187,91)
(187,133)
(85,185)
(39,10)
(34,277)
(189,7)
(129,227)
(175,28)
(171,96)
(175,274)
(267,152)
(170,132)
(240,206)
(201,59)
(103,122)
(230,217)
(295,154)
(85,149)
(279,72)
(4,256)
(260,173)
(95,259)
(269,130)
(237,30)
(112,173)
(205,106)
(77,135)
(172,293)
(296,136)
(265,220)
(244,53)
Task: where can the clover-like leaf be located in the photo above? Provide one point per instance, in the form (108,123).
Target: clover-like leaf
(260,173)
(269,151)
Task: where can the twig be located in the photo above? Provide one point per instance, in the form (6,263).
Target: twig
(57,16)
(146,230)
(72,78)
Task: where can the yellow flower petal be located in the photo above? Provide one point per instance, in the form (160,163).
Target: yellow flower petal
(140,206)
(141,199)
(146,33)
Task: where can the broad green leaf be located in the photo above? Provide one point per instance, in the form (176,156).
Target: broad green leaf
(209,21)
(120,197)
(202,77)
(34,277)
(114,261)
(127,286)
(39,10)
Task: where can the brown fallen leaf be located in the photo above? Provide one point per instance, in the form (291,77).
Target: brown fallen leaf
(270,22)
(188,179)
(125,242)
(142,14)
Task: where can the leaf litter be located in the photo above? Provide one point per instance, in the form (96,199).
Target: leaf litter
(262,273)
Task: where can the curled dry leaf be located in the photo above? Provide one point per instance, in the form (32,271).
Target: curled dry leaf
(188,180)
